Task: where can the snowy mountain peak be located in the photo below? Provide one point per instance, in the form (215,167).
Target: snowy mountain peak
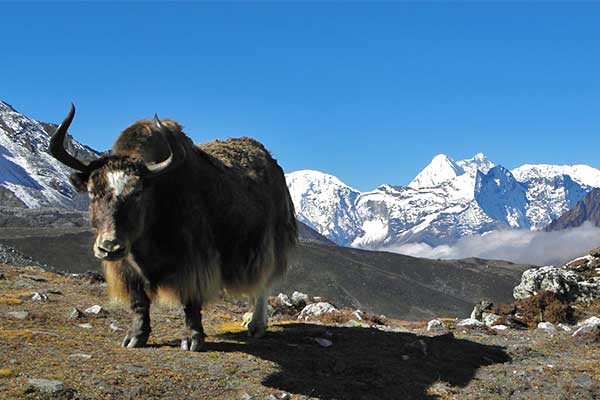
(441,169)
(580,173)
(479,162)
(325,203)
(29,176)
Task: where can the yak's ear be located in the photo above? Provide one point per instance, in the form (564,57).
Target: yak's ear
(79,180)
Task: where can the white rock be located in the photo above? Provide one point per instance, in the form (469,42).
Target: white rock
(87,325)
(300,299)
(285,300)
(557,280)
(317,309)
(95,309)
(500,327)
(75,314)
(589,325)
(564,327)
(547,327)
(436,325)
(39,297)
(469,323)
(490,319)
(47,385)
(81,356)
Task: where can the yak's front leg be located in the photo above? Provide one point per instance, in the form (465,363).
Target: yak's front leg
(137,334)
(193,333)
(259,323)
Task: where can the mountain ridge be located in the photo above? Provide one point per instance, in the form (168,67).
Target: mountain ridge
(447,200)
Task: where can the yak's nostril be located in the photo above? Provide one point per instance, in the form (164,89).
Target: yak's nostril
(111,246)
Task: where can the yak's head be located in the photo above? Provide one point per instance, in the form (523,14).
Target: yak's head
(119,188)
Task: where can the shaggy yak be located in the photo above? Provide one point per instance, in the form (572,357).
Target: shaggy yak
(181,222)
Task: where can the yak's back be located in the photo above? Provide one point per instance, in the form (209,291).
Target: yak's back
(243,157)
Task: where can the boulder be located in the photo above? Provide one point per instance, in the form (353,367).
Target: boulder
(589,325)
(480,308)
(547,327)
(300,300)
(561,281)
(490,319)
(317,309)
(469,323)
(49,386)
(436,325)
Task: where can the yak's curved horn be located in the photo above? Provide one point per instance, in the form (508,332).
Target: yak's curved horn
(174,159)
(57,148)
(157,122)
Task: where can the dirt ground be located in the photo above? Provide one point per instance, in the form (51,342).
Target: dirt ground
(399,361)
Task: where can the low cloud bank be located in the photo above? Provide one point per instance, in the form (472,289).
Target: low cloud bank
(518,246)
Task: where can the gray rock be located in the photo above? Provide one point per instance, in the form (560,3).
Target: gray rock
(562,281)
(469,323)
(490,319)
(299,300)
(478,310)
(564,327)
(589,325)
(36,278)
(323,342)
(80,356)
(317,309)
(95,310)
(47,385)
(75,314)
(547,328)
(23,285)
(18,314)
(436,325)
(284,299)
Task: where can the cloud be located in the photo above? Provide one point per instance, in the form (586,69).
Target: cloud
(518,246)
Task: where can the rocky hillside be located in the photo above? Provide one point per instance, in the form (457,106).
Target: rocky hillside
(392,284)
(60,339)
(447,200)
(587,210)
(29,176)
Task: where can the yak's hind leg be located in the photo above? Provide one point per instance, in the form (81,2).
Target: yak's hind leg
(193,332)
(139,331)
(258,325)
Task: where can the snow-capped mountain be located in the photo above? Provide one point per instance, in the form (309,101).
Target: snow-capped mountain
(448,199)
(29,176)
(326,204)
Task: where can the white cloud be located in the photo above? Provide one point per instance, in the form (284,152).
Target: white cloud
(519,246)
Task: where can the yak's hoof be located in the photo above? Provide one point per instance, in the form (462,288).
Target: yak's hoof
(132,341)
(193,343)
(257,329)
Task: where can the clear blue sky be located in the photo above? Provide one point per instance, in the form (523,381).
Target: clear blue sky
(368,92)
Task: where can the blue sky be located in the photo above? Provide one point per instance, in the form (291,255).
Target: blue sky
(369,92)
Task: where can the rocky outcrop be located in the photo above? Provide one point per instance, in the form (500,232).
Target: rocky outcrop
(578,280)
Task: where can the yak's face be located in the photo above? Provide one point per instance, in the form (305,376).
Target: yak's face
(119,200)
(118,186)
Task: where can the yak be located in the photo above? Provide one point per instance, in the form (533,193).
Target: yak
(182,222)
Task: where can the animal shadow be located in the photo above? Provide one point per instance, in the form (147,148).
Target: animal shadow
(363,363)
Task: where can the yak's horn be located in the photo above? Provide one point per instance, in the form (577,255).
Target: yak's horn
(57,148)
